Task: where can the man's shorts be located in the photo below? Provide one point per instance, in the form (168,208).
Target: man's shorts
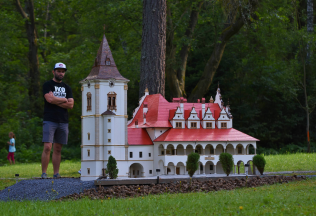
(11,155)
(54,132)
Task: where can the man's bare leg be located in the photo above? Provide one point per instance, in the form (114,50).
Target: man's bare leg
(46,156)
(57,157)
(10,161)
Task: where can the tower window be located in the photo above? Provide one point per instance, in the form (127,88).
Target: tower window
(150,172)
(209,125)
(88,171)
(193,124)
(149,154)
(131,154)
(140,154)
(223,125)
(88,151)
(109,140)
(178,124)
(88,101)
(107,61)
(109,130)
(109,120)
(88,136)
(112,101)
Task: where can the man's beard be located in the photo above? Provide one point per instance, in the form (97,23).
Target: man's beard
(58,79)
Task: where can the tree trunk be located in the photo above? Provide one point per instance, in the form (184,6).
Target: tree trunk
(212,64)
(310,29)
(176,74)
(34,74)
(152,70)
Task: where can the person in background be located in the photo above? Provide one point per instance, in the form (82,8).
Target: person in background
(11,148)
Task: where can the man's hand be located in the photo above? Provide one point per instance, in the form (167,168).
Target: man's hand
(68,105)
(50,98)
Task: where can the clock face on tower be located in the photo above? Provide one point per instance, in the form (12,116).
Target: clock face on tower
(112,82)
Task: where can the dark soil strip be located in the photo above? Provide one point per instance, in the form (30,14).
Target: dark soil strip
(123,191)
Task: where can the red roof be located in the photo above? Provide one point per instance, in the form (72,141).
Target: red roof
(204,135)
(138,136)
(160,110)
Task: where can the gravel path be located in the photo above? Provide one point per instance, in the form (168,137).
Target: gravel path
(44,189)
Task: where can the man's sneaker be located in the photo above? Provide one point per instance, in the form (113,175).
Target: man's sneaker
(56,175)
(44,176)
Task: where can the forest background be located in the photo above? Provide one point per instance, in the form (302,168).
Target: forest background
(265,68)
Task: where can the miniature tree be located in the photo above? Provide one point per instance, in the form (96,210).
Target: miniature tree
(192,163)
(259,162)
(227,162)
(111,168)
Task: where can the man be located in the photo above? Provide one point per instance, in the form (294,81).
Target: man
(58,99)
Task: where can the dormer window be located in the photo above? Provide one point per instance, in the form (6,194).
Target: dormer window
(209,125)
(112,101)
(88,101)
(178,124)
(223,125)
(193,124)
(107,61)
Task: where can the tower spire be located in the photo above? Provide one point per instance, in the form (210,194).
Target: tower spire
(104,65)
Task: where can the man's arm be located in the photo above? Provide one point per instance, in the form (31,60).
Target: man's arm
(50,98)
(68,105)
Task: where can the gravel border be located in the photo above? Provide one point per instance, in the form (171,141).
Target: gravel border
(44,189)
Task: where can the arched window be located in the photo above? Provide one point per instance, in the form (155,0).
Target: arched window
(112,101)
(88,101)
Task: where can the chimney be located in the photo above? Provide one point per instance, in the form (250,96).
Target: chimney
(198,101)
(185,100)
(203,107)
(145,118)
(136,124)
(145,107)
(181,105)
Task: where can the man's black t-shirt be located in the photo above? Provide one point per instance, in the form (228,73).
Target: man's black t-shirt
(53,112)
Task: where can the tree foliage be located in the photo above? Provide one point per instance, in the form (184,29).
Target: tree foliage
(259,162)
(260,71)
(227,162)
(111,168)
(192,163)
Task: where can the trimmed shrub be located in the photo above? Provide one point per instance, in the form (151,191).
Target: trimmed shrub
(111,168)
(227,162)
(259,162)
(192,163)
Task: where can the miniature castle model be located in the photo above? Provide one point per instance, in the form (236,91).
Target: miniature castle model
(160,135)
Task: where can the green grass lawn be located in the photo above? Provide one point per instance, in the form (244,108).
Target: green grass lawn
(294,198)
(291,162)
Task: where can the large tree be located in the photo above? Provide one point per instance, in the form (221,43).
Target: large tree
(177,61)
(34,74)
(238,13)
(152,70)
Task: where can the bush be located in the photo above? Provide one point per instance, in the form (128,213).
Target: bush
(192,163)
(227,162)
(259,162)
(111,168)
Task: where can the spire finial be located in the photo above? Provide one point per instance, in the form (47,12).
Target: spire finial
(146,89)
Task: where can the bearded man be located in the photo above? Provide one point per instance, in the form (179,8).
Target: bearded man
(58,99)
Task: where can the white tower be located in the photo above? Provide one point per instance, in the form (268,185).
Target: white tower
(104,115)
